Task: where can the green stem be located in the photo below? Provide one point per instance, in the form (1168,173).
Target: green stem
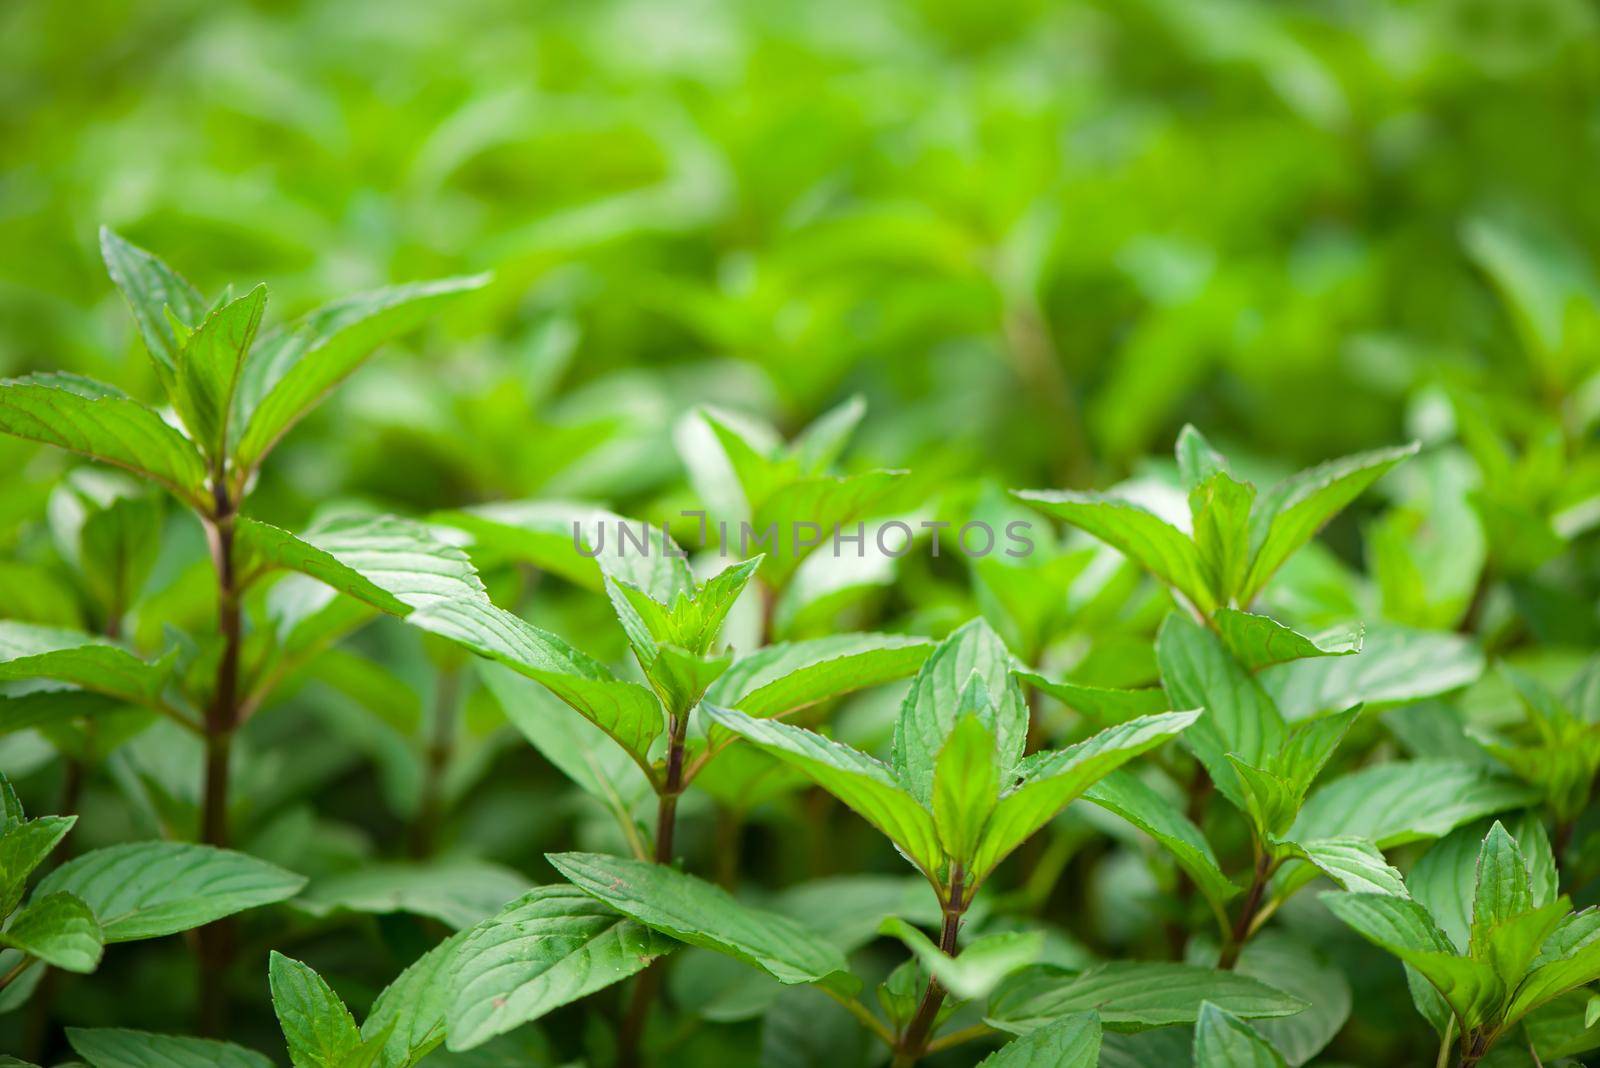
(215,940)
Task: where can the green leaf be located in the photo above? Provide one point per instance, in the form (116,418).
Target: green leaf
(293,370)
(1261,641)
(1102,704)
(108,1047)
(1354,863)
(932,705)
(1048,781)
(97,421)
(1569,958)
(1502,891)
(1291,513)
(1394,665)
(457,892)
(1444,877)
(966,787)
(1125,794)
(553,946)
(151,287)
(320,1031)
(150,889)
(1197,459)
(1405,929)
(408,1016)
(980,966)
(705,915)
(866,785)
(1391,804)
(811,509)
(784,678)
(1073,1042)
(626,711)
(209,365)
(60,930)
(1133,996)
(1156,545)
(1239,718)
(30,651)
(24,845)
(1222,1040)
(1220,508)
(395,565)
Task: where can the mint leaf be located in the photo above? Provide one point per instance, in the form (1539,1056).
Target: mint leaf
(1133,996)
(1222,1040)
(60,930)
(29,651)
(982,963)
(291,371)
(209,364)
(320,1031)
(552,946)
(702,914)
(149,889)
(151,287)
(108,1047)
(1260,641)
(1070,1043)
(94,420)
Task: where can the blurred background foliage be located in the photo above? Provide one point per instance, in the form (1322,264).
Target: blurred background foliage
(1035,237)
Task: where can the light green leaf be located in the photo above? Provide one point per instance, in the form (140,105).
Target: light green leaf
(456,892)
(1290,514)
(703,914)
(931,706)
(209,365)
(865,785)
(1047,781)
(1261,641)
(790,676)
(60,930)
(1220,508)
(1354,863)
(1443,878)
(1198,460)
(30,651)
(320,1031)
(1222,1040)
(1123,793)
(409,1014)
(1391,804)
(1405,929)
(966,787)
(293,370)
(1239,718)
(1102,704)
(551,947)
(809,510)
(24,845)
(393,564)
(150,889)
(1394,665)
(108,1047)
(626,711)
(1133,996)
(150,287)
(1070,1043)
(97,421)
(980,966)
(1502,890)
(1156,545)
(1569,958)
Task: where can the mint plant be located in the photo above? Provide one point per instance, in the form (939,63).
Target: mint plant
(234,399)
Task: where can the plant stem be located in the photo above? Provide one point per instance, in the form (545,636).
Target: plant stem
(1247,914)
(645,990)
(914,1040)
(441,749)
(215,940)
